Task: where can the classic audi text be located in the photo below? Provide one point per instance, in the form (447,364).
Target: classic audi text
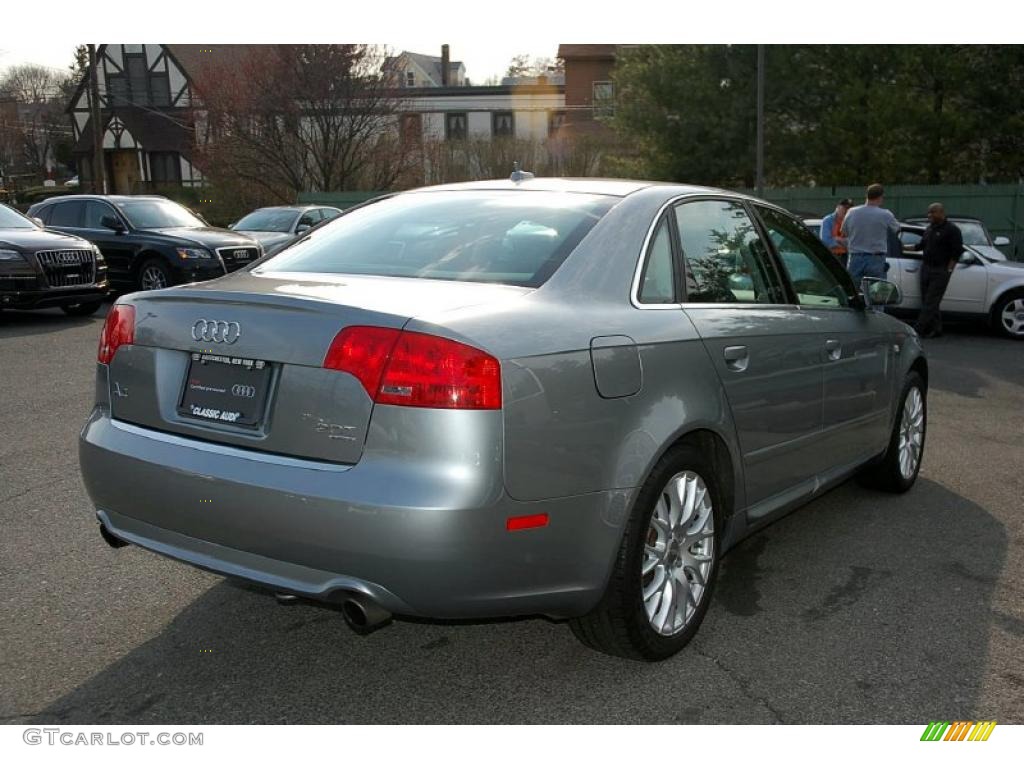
(539,396)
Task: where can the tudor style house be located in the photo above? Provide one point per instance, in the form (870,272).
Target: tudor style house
(145,100)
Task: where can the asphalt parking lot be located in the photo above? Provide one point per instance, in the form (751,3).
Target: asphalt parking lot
(859,608)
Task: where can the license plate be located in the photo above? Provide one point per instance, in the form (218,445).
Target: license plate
(225,390)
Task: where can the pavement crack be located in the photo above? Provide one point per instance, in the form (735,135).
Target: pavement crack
(743,685)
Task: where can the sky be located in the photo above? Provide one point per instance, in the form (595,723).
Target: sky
(482,59)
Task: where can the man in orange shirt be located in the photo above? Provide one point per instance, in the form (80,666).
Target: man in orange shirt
(831,226)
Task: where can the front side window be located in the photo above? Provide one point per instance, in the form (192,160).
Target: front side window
(456,126)
(510,237)
(657,284)
(94,213)
(814,273)
(726,262)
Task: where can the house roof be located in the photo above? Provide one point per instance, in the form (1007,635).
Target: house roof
(429,64)
(194,58)
(570,51)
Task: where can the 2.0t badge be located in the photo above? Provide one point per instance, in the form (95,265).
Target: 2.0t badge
(216,331)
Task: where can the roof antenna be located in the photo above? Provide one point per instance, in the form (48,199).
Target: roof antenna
(518,175)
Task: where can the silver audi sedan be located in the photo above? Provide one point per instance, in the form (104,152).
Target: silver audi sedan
(558,397)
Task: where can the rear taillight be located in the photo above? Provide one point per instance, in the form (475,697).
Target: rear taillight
(118,329)
(417,369)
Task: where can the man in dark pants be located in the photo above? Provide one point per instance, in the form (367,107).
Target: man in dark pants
(942,244)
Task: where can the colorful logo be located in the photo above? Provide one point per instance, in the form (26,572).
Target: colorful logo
(960,730)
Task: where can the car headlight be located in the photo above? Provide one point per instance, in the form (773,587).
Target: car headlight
(99,254)
(194,253)
(9,256)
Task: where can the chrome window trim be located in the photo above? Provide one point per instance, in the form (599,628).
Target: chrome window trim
(634,295)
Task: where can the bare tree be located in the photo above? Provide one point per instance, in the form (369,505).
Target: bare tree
(33,119)
(294,118)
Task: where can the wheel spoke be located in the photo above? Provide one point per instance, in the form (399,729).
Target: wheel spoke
(656,583)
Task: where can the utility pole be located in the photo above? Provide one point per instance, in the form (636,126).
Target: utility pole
(99,181)
(760,122)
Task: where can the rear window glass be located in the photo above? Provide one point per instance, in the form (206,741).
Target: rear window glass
(511,237)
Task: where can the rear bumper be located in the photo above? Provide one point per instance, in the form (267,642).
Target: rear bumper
(324,530)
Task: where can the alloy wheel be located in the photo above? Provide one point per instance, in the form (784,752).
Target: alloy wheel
(911,432)
(153,278)
(1012,317)
(678,553)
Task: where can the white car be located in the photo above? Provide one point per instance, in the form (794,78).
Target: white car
(975,234)
(982,287)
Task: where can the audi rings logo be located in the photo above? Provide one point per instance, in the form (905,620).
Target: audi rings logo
(243,390)
(217,331)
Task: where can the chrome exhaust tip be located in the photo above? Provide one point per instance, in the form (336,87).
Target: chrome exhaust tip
(283,598)
(363,616)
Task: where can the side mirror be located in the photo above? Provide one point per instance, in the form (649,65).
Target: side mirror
(39,221)
(1001,241)
(112,222)
(967,258)
(882,292)
(301,228)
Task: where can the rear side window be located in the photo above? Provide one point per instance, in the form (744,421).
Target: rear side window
(507,236)
(657,286)
(726,261)
(67,214)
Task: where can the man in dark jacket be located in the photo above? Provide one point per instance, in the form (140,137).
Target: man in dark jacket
(942,244)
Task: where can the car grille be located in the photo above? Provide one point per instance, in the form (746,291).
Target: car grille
(67,268)
(237,256)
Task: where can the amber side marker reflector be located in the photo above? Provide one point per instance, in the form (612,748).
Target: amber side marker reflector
(526,521)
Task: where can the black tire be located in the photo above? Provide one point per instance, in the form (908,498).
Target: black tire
(886,475)
(82,310)
(619,625)
(997,314)
(160,266)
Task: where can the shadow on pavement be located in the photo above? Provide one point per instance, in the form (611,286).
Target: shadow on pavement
(16,323)
(859,608)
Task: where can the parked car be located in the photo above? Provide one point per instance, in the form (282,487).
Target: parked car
(41,269)
(503,398)
(975,234)
(981,288)
(72,182)
(277,226)
(148,241)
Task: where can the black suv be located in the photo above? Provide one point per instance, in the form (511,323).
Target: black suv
(148,241)
(47,269)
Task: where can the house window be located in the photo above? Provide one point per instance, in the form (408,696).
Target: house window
(410,79)
(160,90)
(503,125)
(604,98)
(135,66)
(455,126)
(117,89)
(555,122)
(411,128)
(164,167)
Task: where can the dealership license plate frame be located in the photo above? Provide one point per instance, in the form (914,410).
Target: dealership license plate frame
(218,402)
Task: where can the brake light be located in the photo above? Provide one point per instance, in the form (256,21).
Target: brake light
(118,329)
(417,369)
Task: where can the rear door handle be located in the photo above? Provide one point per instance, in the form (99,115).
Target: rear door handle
(736,358)
(911,269)
(834,348)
